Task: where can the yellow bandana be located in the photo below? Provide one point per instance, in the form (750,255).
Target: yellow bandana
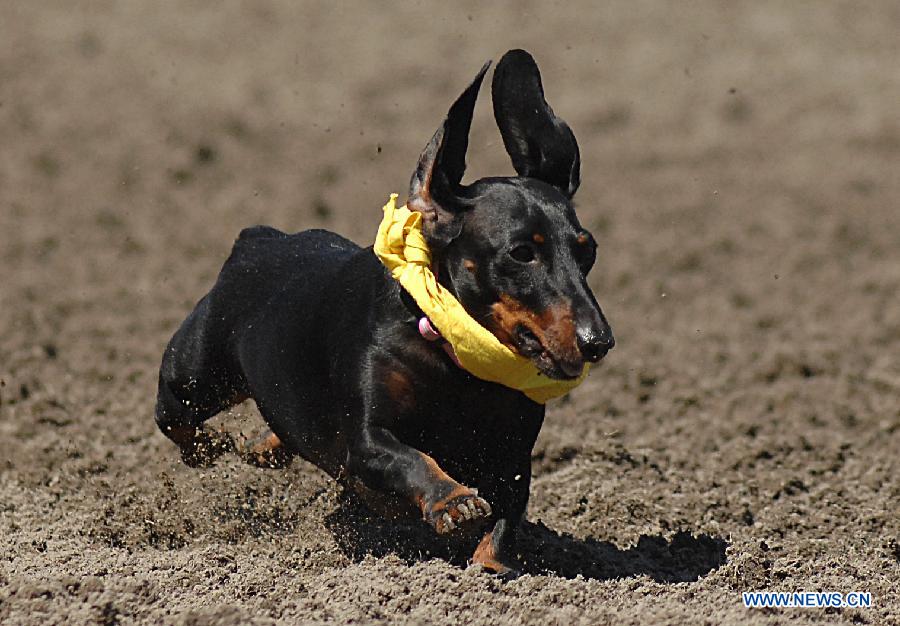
(401,247)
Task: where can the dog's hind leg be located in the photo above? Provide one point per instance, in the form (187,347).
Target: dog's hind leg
(184,426)
(195,385)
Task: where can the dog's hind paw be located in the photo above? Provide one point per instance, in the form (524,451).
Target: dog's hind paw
(265,451)
(205,447)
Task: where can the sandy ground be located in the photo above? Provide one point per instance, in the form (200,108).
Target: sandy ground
(741,168)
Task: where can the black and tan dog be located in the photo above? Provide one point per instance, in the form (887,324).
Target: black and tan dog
(314,329)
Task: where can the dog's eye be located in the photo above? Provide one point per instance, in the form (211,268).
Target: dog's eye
(523,253)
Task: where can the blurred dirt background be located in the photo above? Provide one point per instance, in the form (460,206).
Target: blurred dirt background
(741,168)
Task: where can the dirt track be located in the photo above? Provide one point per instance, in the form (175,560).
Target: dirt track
(741,170)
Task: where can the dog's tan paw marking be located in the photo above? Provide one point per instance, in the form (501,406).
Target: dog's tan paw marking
(264,451)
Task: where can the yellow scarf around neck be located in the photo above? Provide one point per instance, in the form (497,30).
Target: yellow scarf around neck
(401,247)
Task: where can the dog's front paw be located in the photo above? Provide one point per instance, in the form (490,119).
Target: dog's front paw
(506,572)
(487,556)
(457,510)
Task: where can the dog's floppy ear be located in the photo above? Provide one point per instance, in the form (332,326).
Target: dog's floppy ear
(540,144)
(435,187)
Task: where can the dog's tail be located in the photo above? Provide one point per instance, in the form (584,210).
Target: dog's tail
(261,232)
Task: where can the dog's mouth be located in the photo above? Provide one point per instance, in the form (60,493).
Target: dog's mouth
(527,344)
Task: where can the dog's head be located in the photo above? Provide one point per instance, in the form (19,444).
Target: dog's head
(511,248)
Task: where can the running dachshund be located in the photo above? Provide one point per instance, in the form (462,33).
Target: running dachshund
(313,328)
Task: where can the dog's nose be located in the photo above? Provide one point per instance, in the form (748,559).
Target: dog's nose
(594,343)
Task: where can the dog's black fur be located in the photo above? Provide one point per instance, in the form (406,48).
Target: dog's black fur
(314,329)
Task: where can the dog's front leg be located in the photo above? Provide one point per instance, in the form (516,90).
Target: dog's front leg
(497,552)
(383,463)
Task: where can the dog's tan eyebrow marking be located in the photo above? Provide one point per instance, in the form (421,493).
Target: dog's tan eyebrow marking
(470,265)
(582,239)
(538,238)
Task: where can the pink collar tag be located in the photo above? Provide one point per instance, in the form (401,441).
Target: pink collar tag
(430,333)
